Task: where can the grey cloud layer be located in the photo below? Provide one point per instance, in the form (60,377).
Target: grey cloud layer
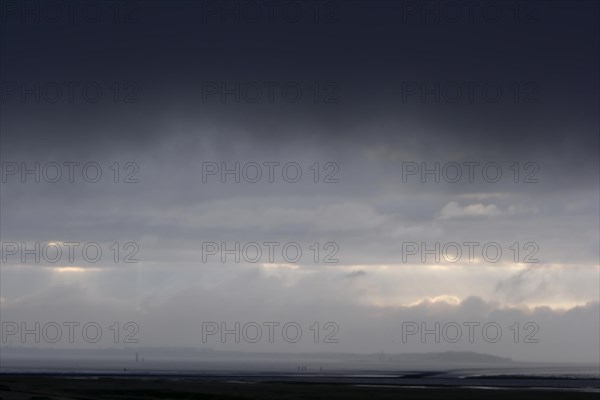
(370,134)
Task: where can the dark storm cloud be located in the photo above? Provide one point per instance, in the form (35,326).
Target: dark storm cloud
(371,52)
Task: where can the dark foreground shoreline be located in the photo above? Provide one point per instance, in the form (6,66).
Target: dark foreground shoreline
(83,387)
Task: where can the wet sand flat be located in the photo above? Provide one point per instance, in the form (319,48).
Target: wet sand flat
(32,387)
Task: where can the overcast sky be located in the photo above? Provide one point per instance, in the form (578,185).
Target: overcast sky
(367,94)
